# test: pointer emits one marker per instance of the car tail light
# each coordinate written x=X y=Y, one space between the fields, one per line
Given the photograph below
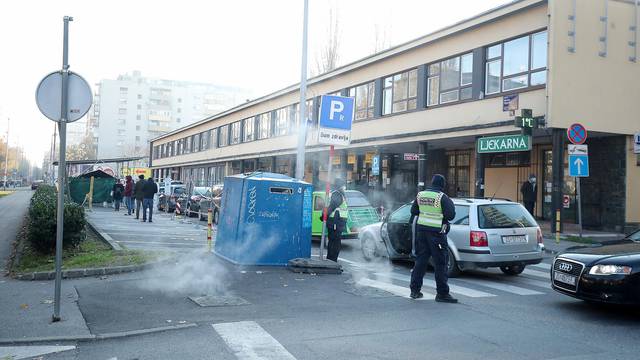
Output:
x=478 y=238
x=539 y=236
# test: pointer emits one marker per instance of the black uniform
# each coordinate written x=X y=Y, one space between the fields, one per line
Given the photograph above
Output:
x=529 y=192
x=432 y=243
x=335 y=226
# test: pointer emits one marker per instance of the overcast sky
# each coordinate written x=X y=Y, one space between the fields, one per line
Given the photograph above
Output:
x=253 y=44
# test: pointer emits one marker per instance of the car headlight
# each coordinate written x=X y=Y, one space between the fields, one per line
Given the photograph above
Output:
x=610 y=270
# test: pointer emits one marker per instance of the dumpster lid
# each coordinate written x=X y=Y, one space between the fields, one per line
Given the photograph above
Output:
x=262 y=175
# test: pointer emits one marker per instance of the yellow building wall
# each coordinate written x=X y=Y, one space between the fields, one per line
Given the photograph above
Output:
x=600 y=92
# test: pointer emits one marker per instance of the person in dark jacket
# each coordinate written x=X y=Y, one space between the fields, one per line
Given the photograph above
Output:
x=337 y=215
x=128 y=191
x=433 y=210
x=529 y=192
x=149 y=189
x=138 y=194
x=118 y=191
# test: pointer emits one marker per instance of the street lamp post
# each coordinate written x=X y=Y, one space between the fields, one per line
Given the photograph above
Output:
x=6 y=158
x=302 y=129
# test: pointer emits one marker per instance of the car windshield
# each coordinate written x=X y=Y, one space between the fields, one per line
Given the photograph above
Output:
x=356 y=198
x=497 y=216
x=634 y=236
x=201 y=190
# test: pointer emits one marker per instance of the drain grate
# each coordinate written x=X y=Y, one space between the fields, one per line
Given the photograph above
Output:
x=218 y=300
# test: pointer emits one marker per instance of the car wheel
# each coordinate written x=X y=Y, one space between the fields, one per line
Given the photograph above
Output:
x=368 y=247
x=512 y=270
x=453 y=270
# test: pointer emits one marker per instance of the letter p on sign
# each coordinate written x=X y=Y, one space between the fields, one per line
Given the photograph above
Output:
x=336 y=107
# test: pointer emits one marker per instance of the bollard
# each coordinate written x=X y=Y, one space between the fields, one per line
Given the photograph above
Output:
x=558 y=226
x=209 y=228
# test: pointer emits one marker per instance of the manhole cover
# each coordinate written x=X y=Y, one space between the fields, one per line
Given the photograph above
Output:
x=218 y=300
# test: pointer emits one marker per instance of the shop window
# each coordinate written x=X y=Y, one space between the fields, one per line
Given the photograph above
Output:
x=450 y=80
x=235 y=133
x=458 y=173
x=512 y=159
x=364 y=100
x=249 y=129
x=400 y=91
x=517 y=64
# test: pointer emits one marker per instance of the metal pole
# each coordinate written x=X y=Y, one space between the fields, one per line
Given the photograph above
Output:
x=302 y=129
x=53 y=152
x=579 y=205
x=327 y=200
x=6 y=158
x=61 y=167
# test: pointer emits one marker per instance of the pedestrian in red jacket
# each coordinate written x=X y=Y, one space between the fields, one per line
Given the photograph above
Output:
x=128 y=192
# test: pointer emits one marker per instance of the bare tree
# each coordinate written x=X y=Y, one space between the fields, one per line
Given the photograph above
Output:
x=327 y=58
x=380 y=38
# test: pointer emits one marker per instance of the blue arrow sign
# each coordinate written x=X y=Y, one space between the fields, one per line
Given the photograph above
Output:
x=579 y=165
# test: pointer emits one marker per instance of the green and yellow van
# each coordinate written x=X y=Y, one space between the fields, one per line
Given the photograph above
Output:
x=361 y=213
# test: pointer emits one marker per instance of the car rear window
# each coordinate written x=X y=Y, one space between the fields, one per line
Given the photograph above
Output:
x=356 y=199
x=499 y=216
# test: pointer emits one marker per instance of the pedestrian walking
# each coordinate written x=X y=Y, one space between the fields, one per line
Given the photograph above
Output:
x=117 y=190
x=529 y=192
x=433 y=210
x=149 y=190
x=336 y=221
x=138 y=194
x=128 y=192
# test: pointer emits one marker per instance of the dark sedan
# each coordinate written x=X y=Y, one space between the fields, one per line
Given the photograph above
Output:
x=607 y=273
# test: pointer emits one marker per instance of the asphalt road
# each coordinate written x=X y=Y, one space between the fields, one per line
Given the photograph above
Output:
x=13 y=208
x=362 y=314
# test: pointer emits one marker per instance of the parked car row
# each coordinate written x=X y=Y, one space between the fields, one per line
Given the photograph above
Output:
x=191 y=204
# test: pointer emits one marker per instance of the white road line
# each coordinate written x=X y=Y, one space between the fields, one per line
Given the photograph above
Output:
x=461 y=290
x=391 y=288
x=505 y=287
x=249 y=341
x=24 y=352
x=159 y=243
x=540 y=274
x=542 y=284
x=543 y=266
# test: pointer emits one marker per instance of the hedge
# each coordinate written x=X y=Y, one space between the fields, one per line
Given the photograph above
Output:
x=42 y=221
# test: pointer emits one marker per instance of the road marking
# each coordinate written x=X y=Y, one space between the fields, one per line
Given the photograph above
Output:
x=540 y=274
x=432 y=284
x=24 y=352
x=391 y=288
x=249 y=341
x=542 y=284
x=543 y=266
x=505 y=287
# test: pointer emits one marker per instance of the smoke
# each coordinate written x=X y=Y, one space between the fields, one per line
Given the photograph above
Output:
x=194 y=273
x=377 y=268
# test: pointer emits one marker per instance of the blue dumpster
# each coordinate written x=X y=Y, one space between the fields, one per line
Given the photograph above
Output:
x=265 y=219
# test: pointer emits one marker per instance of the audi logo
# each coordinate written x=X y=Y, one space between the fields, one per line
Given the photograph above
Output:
x=565 y=267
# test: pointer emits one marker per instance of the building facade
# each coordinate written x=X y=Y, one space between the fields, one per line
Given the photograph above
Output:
x=132 y=109
x=432 y=105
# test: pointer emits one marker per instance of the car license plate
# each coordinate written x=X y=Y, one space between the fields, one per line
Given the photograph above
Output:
x=514 y=239
x=564 y=278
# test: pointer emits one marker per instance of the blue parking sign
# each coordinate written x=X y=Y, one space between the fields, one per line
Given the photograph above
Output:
x=336 y=112
x=579 y=165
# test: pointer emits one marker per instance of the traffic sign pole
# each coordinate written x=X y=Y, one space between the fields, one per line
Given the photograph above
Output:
x=302 y=128
x=327 y=200
x=579 y=205
x=62 y=126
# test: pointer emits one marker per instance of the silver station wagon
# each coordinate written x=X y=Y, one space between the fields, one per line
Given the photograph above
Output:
x=485 y=233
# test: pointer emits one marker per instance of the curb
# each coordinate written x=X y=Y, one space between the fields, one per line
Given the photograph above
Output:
x=106 y=238
x=105 y=336
x=80 y=273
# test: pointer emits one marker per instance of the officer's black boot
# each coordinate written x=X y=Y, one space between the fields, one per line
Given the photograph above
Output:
x=416 y=295
x=447 y=298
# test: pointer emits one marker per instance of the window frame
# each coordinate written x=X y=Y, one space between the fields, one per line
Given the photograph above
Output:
x=268 y=118
x=528 y=73
x=458 y=89
x=279 y=130
x=245 y=133
x=371 y=93
x=222 y=144
x=407 y=99
x=234 y=127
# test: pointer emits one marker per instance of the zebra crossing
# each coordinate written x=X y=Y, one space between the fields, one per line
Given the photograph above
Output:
x=534 y=281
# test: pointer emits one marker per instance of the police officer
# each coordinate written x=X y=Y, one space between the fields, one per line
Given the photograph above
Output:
x=433 y=210
x=336 y=220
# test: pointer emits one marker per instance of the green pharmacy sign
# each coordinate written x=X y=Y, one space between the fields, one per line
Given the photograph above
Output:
x=506 y=143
